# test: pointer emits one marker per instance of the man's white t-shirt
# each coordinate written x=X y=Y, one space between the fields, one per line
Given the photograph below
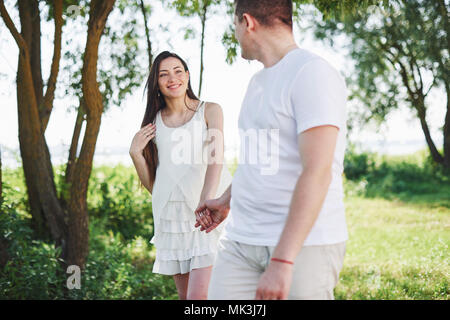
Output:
x=299 y=92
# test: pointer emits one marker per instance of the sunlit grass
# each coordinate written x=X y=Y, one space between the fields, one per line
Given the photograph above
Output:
x=395 y=251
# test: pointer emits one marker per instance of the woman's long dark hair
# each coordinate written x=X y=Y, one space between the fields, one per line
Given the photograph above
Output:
x=155 y=103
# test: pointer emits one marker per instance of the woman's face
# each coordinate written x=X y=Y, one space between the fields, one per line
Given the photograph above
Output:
x=172 y=78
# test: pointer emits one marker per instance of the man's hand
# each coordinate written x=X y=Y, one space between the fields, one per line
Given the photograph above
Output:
x=275 y=282
x=213 y=212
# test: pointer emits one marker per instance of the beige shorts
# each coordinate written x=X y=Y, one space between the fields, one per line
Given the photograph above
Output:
x=238 y=267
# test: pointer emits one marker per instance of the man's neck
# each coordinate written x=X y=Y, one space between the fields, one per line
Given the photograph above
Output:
x=274 y=47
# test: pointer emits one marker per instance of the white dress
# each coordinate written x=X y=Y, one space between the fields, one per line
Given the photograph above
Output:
x=182 y=157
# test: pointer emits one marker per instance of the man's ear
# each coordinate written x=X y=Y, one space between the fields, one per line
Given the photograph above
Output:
x=250 y=22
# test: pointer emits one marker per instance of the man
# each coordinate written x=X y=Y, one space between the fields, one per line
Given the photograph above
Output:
x=285 y=237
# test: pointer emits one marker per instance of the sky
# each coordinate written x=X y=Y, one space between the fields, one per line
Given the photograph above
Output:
x=224 y=84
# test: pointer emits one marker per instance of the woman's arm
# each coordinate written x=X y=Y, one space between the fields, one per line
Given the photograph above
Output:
x=214 y=121
x=140 y=141
x=142 y=170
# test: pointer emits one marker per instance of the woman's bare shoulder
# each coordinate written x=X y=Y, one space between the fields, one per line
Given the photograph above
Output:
x=213 y=112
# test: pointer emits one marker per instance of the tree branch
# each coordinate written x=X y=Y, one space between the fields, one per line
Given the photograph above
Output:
x=12 y=28
x=75 y=141
x=202 y=43
x=51 y=83
x=147 y=35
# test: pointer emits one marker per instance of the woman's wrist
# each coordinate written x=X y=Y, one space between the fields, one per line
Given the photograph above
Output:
x=136 y=153
x=205 y=197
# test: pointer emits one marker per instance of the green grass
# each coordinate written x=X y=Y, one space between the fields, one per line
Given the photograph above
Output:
x=399 y=233
x=396 y=250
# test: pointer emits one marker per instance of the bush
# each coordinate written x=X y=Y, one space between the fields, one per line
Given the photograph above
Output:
x=33 y=269
x=357 y=166
x=120 y=261
x=407 y=177
x=116 y=198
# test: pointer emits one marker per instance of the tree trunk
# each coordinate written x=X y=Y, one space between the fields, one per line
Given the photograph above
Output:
x=38 y=169
x=447 y=131
x=74 y=144
x=419 y=104
x=4 y=257
x=1 y=180
x=47 y=214
x=46 y=107
x=147 y=35
x=30 y=22
x=78 y=241
x=202 y=45
x=45 y=208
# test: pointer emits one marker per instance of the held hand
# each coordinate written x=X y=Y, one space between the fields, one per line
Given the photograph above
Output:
x=142 y=138
x=216 y=211
x=275 y=282
x=203 y=217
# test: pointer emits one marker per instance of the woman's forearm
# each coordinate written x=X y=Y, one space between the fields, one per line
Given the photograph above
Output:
x=212 y=180
x=226 y=196
x=142 y=170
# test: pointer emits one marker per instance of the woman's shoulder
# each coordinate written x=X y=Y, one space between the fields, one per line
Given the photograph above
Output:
x=213 y=112
x=212 y=108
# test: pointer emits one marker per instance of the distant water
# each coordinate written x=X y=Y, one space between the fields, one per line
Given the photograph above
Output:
x=119 y=155
x=395 y=147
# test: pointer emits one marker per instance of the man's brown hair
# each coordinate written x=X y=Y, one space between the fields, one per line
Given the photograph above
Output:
x=267 y=12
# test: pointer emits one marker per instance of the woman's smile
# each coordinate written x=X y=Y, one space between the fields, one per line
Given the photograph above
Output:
x=174 y=86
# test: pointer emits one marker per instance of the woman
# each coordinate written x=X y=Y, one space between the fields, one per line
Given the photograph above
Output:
x=175 y=114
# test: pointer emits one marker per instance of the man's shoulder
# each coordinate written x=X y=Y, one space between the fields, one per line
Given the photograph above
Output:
x=306 y=60
x=312 y=67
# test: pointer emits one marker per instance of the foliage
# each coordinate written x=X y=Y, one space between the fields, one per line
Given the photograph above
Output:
x=329 y=9
x=410 y=35
x=339 y=8
x=117 y=267
x=401 y=53
x=119 y=203
x=120 y=56
x=201 y=9
x=33 y=269
x=409 y=178
x=388 y=254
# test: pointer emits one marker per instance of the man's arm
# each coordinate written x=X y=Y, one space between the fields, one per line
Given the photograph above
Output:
x=316 y=147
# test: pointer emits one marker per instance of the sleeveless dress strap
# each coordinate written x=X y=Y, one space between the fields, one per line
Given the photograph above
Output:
x=202 y=111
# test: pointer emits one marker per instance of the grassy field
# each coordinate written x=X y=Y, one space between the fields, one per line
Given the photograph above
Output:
x=398 y=215
x=396 y=250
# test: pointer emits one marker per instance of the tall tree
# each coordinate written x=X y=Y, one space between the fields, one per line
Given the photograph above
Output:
x=120 y=49
x=401 y=53
x=78 y=236
x=201 y=9
x=144 y=11
x=65 y=216
x=33 y=115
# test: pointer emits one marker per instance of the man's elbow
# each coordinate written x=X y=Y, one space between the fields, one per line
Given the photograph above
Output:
x=320 y=173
